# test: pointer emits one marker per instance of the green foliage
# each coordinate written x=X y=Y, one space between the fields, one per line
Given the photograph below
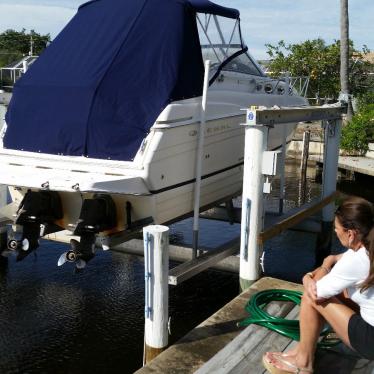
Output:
x=365 y=99
x=15 y=44
x=357 y=134
x=321 y=63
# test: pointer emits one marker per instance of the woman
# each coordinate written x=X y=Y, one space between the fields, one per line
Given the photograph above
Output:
x=340 y=292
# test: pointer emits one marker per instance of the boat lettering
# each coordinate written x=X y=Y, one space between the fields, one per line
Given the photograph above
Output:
x=215 y=129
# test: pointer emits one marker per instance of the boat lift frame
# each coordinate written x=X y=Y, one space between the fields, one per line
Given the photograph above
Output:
x=255 y=168
x=258 y=163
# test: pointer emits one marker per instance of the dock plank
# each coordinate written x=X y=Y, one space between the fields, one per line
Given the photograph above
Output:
x=218 y=346
x=201 y=344
x=244 y=353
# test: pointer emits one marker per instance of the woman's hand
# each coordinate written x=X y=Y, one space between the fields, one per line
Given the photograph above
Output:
x=310 y=280
x=310 y=287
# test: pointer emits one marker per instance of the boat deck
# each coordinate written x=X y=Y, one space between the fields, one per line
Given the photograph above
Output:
x=70 y=173
x=218 y=346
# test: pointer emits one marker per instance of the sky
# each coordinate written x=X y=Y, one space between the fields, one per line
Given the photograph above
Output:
x=263 y=21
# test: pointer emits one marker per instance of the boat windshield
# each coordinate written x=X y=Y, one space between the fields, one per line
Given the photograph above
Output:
x=222 y=44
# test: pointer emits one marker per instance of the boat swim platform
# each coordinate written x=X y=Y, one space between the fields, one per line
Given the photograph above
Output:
x=357 y=164
x=218 y=345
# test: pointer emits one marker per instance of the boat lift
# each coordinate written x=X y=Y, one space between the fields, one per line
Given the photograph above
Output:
x=258 y=164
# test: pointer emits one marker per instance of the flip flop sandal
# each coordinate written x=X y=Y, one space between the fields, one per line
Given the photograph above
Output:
x=269 y=366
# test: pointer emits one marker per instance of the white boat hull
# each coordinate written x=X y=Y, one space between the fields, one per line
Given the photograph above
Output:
x=159 y=182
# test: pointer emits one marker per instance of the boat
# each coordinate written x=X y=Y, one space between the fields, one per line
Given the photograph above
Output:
x=101 y=133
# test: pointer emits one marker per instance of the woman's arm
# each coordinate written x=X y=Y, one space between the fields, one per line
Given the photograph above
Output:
x=331 y=260
x=349 y=270
x=310 y=279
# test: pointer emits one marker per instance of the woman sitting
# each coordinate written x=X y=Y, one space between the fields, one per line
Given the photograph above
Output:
x=340 y=292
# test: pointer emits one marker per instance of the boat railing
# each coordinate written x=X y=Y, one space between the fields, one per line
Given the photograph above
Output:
x=300 y=84
x=11 y=73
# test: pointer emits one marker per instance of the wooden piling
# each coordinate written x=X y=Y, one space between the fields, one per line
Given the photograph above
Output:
x=303 y=166
x=156 y=269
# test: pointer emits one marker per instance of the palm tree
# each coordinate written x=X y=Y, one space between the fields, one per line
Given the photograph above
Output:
x=344 y=56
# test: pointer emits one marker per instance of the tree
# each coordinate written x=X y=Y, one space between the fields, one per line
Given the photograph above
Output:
x=321 y=62
x=344 y=56
x=15 y=44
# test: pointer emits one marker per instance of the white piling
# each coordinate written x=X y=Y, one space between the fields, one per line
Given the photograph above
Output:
x=329 y=177
x=252 y=201
x=330 y=169
x=156 y=269
x=199 y=161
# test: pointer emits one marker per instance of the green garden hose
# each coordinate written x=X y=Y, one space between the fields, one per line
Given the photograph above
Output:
x=286 y=327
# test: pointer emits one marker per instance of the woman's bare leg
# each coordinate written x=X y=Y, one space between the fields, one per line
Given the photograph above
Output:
x=312 y=318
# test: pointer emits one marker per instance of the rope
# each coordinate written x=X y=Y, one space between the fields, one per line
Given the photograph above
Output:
x=286 y=327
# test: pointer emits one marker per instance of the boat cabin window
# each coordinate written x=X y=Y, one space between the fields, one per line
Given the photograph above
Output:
x=222 y=44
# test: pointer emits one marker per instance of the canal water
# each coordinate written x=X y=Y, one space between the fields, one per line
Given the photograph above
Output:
x=53 y=320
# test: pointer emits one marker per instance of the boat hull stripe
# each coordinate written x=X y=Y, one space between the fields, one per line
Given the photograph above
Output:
x=194 y=179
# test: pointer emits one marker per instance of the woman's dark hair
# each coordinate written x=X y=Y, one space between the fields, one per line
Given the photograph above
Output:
x=356 y=213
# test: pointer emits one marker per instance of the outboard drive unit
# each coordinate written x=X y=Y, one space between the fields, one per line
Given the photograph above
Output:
x=98 y=214
x=36 y=217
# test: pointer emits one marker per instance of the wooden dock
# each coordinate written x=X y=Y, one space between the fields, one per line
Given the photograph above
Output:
x=218 y=346
x=363 y=165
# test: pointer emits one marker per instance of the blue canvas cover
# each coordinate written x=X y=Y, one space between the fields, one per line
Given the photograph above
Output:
x=99 y=87
x=205 y=6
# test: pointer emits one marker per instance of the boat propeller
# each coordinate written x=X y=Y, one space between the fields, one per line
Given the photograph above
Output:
x=79 y=254
x=97 y=215
x=22 y=241
x=35 y=217
x=16 y=244
x=23 y=245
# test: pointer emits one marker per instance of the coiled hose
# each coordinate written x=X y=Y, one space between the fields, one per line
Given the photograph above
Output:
x=286 y=327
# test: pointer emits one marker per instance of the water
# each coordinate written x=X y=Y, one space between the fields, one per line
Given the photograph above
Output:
x=53 y=320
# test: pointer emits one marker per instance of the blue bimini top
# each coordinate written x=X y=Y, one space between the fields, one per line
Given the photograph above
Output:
x=100 y=86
